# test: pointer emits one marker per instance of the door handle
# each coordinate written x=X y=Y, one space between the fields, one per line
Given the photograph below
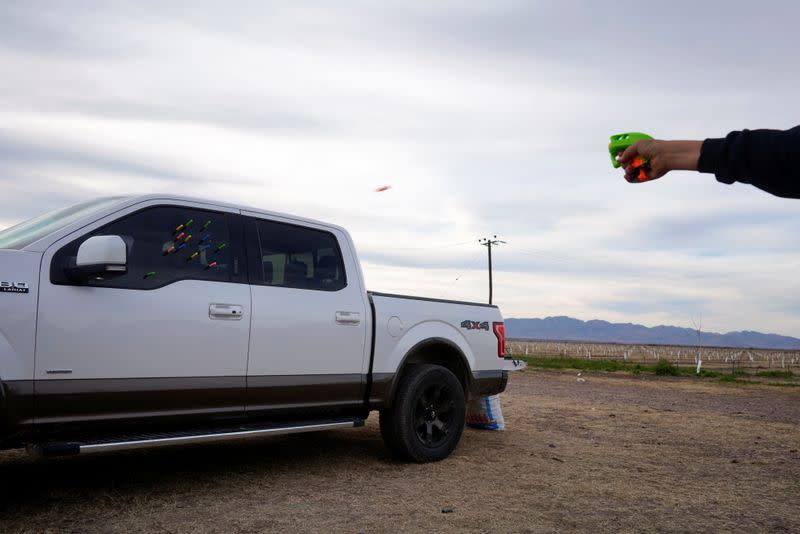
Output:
x=226 y=312
x=348 y=318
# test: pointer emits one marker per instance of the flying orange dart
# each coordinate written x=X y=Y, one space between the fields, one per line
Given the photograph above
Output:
x=383 y=188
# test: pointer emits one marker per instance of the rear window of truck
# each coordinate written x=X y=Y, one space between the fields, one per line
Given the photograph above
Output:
x=299 y=257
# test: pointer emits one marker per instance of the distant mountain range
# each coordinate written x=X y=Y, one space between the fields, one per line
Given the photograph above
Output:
x=569 y=329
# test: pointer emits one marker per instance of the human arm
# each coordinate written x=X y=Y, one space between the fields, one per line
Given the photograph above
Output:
x=767 y=159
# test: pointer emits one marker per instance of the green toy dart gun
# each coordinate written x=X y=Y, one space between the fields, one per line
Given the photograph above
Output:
x=617 y=146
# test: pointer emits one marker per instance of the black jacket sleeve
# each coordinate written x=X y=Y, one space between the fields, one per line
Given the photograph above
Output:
x=767 y=159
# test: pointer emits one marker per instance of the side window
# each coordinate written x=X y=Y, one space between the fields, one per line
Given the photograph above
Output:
x=299 y=257
x=165 y=244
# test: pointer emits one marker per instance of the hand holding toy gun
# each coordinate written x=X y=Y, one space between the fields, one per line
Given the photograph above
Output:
x=645 y=158
x=639 y=168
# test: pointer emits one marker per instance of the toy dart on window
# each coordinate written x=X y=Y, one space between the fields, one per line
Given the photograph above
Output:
x=621 y=142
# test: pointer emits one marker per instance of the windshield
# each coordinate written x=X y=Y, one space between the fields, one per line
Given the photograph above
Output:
x=25 y=233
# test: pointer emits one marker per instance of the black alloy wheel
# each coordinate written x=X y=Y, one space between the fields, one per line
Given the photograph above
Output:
x=426 y=420
x=433 y=416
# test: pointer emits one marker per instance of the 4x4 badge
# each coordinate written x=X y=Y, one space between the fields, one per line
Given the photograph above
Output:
x=475 y=325
x=14 y=287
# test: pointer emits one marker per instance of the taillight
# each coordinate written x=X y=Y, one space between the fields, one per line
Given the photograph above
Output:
x=500 y=333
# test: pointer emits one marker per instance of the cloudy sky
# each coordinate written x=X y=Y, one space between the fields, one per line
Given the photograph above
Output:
x=484 y=117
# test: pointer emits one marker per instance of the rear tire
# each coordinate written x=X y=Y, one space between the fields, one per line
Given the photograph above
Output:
x=426 y=420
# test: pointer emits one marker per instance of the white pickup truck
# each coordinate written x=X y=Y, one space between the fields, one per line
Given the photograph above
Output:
x=131 y=322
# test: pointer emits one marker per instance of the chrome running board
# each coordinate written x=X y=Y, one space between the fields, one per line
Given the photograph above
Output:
x=165 y=440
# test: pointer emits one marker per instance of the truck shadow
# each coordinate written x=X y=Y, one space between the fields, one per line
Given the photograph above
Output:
x=33 y=484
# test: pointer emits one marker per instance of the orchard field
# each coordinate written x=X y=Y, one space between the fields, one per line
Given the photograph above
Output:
x=718 y=358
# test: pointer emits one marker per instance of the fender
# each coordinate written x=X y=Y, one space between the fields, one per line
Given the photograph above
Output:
x=467 y=375
x=420 y=333
x=391 y=355
x=384 y=386
x=19 y=295
x=16 y=408
x=3 y=409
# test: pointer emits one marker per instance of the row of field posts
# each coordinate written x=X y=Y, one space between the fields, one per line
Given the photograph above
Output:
x=711 y=357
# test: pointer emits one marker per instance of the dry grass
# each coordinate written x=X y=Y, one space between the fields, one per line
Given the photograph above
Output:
x=614 y=453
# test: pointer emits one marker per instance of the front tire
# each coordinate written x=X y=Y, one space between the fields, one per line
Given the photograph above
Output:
x=426 y=420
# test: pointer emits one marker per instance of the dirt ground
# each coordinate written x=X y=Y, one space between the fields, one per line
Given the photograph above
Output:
x=615 y=453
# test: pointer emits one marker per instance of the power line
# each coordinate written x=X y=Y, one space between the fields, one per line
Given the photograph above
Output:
x=594 y=259
x=450 y=245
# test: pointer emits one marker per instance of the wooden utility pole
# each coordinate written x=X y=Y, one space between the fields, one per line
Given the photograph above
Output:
x=488 y=243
